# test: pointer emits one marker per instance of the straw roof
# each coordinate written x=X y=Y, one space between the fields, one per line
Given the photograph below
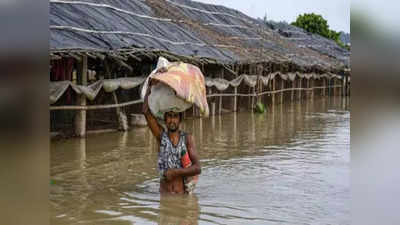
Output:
x=182 y=28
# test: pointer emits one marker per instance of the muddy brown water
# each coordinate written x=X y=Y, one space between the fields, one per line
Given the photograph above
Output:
x=287 y=166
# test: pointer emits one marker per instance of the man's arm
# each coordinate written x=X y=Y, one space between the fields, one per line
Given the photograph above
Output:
x=192 y=170
x=155 y=128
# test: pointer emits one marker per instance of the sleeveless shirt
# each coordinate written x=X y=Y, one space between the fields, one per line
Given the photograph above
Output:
x=169 y=156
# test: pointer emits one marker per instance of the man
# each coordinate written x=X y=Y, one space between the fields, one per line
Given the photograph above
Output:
x=173 y=143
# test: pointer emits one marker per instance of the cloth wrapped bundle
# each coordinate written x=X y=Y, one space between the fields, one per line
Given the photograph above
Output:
x=179 y=87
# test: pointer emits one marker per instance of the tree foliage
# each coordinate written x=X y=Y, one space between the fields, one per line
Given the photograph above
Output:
x=315 y=23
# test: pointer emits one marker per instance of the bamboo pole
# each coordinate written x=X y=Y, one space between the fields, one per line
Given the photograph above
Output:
x=94 y=107
x=80 y=116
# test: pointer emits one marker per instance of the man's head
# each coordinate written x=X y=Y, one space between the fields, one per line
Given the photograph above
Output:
x=172 y=120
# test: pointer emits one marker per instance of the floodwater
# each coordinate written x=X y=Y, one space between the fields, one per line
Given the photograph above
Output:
x=287 y=166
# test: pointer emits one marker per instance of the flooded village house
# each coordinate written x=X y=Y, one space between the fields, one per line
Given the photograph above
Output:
x=101 y=53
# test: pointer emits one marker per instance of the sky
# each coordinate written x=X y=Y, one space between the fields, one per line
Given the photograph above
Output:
x=336 y=12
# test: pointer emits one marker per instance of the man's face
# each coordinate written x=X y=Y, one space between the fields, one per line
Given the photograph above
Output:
x=172 y=121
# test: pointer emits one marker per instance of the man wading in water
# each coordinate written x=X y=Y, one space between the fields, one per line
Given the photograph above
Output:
x=174 y=144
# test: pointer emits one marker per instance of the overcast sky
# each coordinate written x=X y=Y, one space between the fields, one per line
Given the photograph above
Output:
x=336 y=12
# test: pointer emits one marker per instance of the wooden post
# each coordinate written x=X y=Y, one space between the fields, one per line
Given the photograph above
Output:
x=312 y=86
x=122 y=119
x=249 y=99
x=293 y=87
x=80 y=116
x=235 y=100
x=220 y=97
x=300 y=87
x=259 y=88
x=213 y=108
x=234 y=133
x=273 y=89
x=328 y=90
x=82 y=153
x=308 y=88
x=328 y=87
x=282 y=87
x=212 y=102
x=253 y=98
x=334 y=88
x=201 y=130
x=220 y=104
x=343 y=86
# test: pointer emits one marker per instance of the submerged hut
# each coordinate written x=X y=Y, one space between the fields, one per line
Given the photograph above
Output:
x=101 y=51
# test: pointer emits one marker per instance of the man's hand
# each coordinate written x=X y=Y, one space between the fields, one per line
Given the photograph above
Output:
x=162 y=70
x=170 y=174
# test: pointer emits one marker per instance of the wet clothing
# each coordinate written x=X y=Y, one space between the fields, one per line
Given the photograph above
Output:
x=175 y=157
x=169 y=156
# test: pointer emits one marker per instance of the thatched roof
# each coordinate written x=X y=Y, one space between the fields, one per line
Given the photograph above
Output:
x=182 y=28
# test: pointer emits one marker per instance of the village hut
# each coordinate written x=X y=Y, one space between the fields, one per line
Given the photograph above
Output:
x=101 y=52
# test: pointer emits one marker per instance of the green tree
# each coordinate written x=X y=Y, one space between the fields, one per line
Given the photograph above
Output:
x=313 y=23
x=316 y=24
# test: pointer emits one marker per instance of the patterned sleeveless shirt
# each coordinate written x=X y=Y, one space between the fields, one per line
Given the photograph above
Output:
x=169 y=156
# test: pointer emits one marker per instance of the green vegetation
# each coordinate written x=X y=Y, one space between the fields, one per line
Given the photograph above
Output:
x=260 y=108
x=316 y=24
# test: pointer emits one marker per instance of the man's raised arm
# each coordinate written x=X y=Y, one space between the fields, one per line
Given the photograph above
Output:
x=155 y=128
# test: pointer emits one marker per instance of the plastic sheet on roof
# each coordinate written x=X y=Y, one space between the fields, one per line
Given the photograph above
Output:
x=220 y=33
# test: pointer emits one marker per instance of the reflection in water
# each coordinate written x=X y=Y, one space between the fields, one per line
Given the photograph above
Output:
x=287 y=166
x=182 y=210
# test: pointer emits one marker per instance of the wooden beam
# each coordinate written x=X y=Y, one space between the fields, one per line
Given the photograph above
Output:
x=135 y=57
x=122 y=63
x=75 y=56
x=99 y=55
